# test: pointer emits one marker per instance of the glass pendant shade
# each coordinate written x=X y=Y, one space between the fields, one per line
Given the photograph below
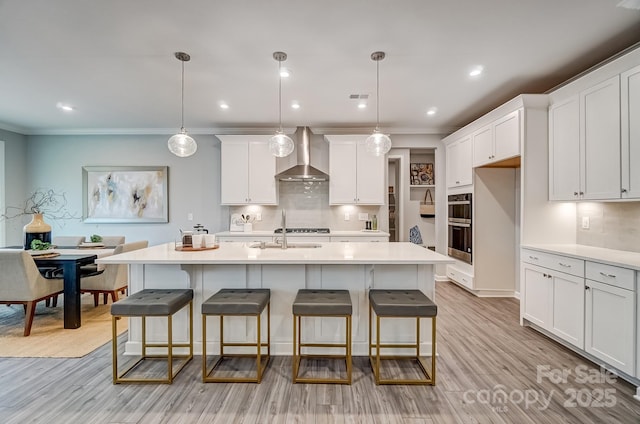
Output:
x=281 y=145
x=182 y=145
x=378 y=144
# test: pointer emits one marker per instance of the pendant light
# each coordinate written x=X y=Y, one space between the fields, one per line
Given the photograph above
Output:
x=181 y=144
x=377 y=143
x=280 y=145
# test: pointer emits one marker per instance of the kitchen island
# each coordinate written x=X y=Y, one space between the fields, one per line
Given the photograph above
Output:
x=354 y=266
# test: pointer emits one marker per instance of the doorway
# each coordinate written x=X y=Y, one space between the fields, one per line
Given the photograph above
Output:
x=394 y=203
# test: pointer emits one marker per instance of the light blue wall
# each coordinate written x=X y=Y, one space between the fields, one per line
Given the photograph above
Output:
x=16 y=180
x=194 y=183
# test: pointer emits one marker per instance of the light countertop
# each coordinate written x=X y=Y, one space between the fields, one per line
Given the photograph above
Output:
x=621 y=258
x=328 y=253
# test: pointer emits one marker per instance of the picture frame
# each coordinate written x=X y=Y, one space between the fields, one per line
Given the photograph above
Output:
x=125 y=194
x=422 y=174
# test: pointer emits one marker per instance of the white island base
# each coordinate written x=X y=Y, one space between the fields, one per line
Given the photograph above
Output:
x=274 y=269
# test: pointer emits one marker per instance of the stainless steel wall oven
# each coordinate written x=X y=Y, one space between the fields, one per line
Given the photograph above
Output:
x=460 y=227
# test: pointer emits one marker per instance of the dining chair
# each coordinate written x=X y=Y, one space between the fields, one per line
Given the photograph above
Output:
x=113 y=279
x=22 y=283
x=67 y=241
x=110 y=241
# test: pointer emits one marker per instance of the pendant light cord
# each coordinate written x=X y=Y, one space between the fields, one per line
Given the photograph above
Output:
x=182 y=102
x=280 y=94
x=377 y=95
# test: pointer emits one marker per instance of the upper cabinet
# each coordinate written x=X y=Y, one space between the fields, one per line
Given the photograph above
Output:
x=247 y=171
x=355 y=175
x=497 y=141
x=630 y=90
x=459 y=163
x=594 y=141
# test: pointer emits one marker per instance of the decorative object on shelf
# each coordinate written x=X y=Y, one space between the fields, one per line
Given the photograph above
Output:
x=422 y=174
x=125 y=194
x=181 y=144
x=280 y=145
x=414 y=235
x=377 y=143
x=427 y=206
x=95 y=238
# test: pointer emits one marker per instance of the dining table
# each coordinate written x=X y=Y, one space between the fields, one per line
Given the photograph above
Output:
x=71 y=260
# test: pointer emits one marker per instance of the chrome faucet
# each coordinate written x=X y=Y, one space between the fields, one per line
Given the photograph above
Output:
x=284 y=229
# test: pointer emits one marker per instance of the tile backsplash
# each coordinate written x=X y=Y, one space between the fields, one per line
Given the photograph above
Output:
x=611 y=225
x=307 y=205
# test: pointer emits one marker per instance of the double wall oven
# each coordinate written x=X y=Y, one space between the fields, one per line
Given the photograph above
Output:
x=460 y=234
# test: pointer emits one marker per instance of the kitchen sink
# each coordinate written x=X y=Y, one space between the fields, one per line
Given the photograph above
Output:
x=290 y=245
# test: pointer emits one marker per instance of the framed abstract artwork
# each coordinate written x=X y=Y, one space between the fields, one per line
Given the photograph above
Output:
x=125 y=194
x=422 y=174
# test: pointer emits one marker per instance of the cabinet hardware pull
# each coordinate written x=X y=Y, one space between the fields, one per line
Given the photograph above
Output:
x=607 y=275
x=624 y=190
x=575 y=193
x=582 y=193
x=564 y=265
x=587 y=287
x=533 y=257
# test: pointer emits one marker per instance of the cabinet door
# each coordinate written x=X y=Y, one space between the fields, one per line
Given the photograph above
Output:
x=568 y=308
x=342 y=172
x=564 y=150
x=234 y=172
x=610 y=318
x=506 y=136
x=630 y=103
x=600 y=142
x=459 y=163
x=538 y=298
x=483 y=146
x=370 y=186
x=261 y=174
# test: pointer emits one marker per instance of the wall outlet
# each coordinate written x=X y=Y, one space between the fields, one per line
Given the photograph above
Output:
x=585 y=222
x=363 y=216
x=190 y=216
x=346 y=216
x=258 y=217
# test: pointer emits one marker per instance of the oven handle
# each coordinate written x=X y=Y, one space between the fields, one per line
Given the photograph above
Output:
x=459 y=224
x=460 y=202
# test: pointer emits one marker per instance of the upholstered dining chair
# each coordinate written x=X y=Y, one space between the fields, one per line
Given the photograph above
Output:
x=110 y=241
x=113 y=279
x=67 y=241
x=22 y=283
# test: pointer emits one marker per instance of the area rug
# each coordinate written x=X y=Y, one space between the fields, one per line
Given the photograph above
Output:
x=49 y=338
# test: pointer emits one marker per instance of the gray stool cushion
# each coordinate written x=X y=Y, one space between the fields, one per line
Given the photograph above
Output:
x=237 y=302
x=153 y=302
x=406 y=303
x=322 y=302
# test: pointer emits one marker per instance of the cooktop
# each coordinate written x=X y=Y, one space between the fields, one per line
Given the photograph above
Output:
x=304 y=230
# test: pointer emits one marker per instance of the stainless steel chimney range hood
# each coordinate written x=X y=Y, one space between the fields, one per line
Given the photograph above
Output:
x=302 y=170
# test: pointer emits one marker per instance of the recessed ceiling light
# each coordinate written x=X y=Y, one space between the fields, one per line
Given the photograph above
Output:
x=295 y=105
x=224 y=106
x=65 y=107
x=362 y=105
x=285 y=72
x=432 y=111
x=476 y=70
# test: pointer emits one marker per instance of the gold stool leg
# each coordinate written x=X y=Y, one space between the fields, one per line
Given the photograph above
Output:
x=114 y=343
x=258 y=350
x=204 y=347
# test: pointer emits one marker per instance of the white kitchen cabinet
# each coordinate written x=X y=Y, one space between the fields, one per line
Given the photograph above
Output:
x=610 y=325
x=630 y=103
x=355 y=175
x=459 y=163
x=247 y=171
x=498 y=141
x=554 y=299
x=584 y=153
x=564 y=150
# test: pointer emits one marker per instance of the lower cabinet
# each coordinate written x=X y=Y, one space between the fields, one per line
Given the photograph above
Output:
x=554 y=301
x=610 y=327
x=592 y=305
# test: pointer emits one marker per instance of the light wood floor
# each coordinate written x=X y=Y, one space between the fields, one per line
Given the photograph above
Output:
x=482 y=352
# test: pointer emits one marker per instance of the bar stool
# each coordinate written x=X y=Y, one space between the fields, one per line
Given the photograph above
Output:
x=321 y=303
x=153 y=303
x=237 y=302
x=402 y=304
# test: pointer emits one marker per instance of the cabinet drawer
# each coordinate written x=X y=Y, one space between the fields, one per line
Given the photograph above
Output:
x=460 y=277
x=612 y=275
x=560 y=263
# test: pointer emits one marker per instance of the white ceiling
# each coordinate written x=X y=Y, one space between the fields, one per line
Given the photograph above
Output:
x=114 y=60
